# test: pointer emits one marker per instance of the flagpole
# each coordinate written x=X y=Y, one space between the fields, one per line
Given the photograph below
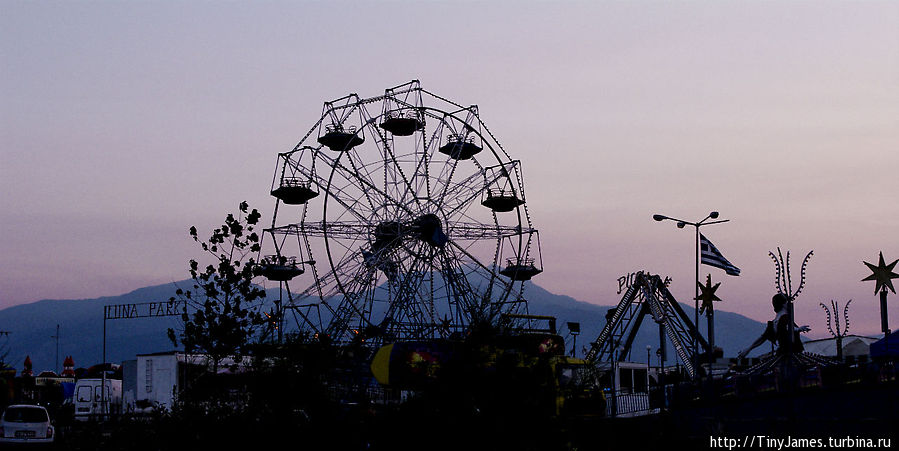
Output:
x=696 y=299
x=681 y=224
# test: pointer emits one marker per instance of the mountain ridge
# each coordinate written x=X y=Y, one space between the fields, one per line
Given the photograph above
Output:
x=32 y=327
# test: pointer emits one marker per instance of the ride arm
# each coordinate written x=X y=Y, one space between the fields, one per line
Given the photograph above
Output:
x=691 y=328
x=758 y=342
x=644 y=310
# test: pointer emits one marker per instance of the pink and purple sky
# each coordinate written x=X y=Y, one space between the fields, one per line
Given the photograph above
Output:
x=124 y=123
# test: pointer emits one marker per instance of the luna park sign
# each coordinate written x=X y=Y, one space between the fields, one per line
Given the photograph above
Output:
x=144 y=309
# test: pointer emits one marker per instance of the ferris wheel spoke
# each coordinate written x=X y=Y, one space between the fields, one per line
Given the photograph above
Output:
x=303 y=311
x=349 y=240
x=466 y=192
x=351 y=188
x=355 y=289
x=456 y=210
x=457 y=195
x=467 y=231
x=421 y=270
x=469 y=287
x=462 y=138
x=324 y=286
x=350 y=202
x=359 y=177
x=404 y=192
x=379 y=198
x=407 y=307
x=426 y=156
x=487 y=273
x=396 y=185
x=446 y=181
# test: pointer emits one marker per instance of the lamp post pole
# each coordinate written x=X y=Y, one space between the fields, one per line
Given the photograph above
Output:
x=615 y=355
x=648 y=368
x=681 y=224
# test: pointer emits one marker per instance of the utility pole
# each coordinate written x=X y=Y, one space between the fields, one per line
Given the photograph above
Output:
x=56 y=362
x=3 y=349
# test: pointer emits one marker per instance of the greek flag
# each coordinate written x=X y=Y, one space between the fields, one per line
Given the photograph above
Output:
x=710 y=255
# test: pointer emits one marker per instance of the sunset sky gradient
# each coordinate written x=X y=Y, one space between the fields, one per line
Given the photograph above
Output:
x=124 y=123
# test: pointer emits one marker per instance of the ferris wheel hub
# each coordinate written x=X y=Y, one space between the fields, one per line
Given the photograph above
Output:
x=426 y=228
x=429 y=229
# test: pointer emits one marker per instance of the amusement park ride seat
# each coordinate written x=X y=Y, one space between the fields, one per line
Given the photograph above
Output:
x=294 y=191
x=501 y=201
x=520 y=270
x=336 y=138
x=280 y=268
x=402 y=124
x=459 y=148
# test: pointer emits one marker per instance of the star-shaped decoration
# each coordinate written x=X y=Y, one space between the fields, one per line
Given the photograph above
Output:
x=707 y=295
x=882 y=275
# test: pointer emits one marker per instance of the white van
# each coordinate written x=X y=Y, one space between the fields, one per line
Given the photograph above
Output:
x=89 y=400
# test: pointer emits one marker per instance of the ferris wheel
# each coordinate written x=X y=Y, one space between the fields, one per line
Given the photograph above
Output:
x=399 y=217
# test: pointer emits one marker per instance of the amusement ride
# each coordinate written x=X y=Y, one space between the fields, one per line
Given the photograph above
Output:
x=399 y=217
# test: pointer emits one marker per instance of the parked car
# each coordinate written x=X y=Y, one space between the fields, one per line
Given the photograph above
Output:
x=22 y=423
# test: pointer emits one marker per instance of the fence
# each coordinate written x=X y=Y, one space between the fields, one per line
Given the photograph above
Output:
x=628 y=403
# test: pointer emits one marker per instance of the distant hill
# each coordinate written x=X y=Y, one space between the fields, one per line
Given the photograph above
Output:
x=33 y=326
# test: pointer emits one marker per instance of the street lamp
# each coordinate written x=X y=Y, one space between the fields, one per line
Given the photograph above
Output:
x=575 y=330
x=681 y=224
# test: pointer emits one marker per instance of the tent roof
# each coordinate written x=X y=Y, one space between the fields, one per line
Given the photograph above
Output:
x=887 y=346
x=852 y=345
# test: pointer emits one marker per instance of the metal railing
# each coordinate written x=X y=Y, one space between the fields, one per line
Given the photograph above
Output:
x=626 y=402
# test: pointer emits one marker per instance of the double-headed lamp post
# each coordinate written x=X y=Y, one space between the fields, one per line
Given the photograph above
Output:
x=713 y=216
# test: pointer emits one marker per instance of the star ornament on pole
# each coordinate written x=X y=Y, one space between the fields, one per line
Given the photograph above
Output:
x=882 y=275
x=707 y=295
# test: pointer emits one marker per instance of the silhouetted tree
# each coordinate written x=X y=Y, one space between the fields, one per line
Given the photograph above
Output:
x=227 y=302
